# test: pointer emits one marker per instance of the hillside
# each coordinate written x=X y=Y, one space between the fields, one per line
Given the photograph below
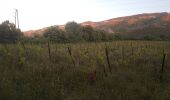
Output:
x=148 y=23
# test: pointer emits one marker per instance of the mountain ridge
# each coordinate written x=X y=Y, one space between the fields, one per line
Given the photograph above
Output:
x=123 y=25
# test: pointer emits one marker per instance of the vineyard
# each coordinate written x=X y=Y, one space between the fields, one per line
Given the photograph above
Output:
x=118 y=70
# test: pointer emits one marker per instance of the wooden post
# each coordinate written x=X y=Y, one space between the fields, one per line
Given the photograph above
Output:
x=162 y=68
x=70 y=53
x=49 y=51
x=107 y=58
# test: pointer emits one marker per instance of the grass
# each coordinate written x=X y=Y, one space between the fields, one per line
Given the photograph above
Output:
x=125 y=70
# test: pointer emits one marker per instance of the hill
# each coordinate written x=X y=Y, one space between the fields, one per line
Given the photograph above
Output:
x=136 y=25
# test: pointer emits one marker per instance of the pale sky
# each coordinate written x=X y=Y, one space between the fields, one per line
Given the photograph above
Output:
x=35 y=14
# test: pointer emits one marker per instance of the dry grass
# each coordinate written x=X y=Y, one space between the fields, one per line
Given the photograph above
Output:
x=27 y=73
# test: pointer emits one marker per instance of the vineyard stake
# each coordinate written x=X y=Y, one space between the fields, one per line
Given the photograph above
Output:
x=49 y=51
x=162 y=68
x=107 y=58
x=70 y=53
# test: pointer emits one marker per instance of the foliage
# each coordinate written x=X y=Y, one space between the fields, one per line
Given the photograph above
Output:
x=76 y=33
x=73 y=31
x=87 y=33
x=55 y=34
x=27 y=72
x=9 y=33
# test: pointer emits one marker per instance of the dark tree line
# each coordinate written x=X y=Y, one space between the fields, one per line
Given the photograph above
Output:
x=76 y=33
x=73 y=32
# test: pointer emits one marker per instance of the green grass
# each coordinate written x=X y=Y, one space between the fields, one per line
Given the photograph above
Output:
x=27 y=72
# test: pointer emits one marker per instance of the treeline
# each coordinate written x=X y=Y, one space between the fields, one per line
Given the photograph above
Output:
x=72 y=33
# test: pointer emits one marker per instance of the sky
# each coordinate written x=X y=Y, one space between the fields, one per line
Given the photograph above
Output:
x=36 y=14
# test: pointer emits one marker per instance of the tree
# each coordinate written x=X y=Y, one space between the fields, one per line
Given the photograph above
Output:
x=9 y=33
x=55 y=34
x=87 y=33
x=73 y=31
x=103 y=35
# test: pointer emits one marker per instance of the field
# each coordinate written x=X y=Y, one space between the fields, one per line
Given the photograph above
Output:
x=118 y=70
